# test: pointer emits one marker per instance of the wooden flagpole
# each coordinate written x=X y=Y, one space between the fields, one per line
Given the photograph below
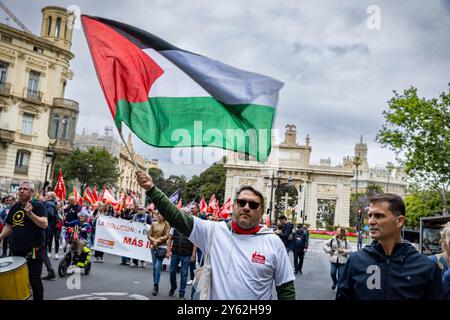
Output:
x=128 y=150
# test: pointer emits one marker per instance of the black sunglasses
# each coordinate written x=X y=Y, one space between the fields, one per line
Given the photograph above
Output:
x=252 y=204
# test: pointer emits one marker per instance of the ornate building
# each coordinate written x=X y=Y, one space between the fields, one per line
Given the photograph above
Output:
x=323 y=191
x=36 y=122
x=107 y=141
x=391 y=178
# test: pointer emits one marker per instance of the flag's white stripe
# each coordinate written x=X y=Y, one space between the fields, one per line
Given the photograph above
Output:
x=173 y=82
x=225 y=83
x=229 y=85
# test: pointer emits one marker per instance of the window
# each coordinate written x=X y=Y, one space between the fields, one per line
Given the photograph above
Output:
x=27 y=123
x=33 y=83
x=63 y=88
x=65 y=128
x=22 y=158
x=58 y=27
x=49 y=26
x=54 y=127
x=6 y=38
x=3 y=72
x=38 y=50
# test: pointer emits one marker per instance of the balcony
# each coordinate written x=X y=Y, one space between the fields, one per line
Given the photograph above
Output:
x=66 y=103
x=21 y=170
x=32 y=95
x=63 y=146
x=5 y=88
x=7 y=136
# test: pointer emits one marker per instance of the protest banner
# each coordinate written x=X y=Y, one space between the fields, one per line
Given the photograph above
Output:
x=123 y=238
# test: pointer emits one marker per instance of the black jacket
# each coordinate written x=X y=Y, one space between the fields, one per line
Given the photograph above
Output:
x=52 y=214
x=180 y=244
x=286 y=234
x=371 y=275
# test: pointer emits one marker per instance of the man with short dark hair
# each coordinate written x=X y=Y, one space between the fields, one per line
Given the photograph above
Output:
x=246 y=258
x=26 y=223
x=389 y=268
x=286 y=234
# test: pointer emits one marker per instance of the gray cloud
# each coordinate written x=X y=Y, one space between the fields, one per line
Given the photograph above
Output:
x=338 y=74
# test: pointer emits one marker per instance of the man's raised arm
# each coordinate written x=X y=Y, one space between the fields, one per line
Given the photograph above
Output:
x=184 y=223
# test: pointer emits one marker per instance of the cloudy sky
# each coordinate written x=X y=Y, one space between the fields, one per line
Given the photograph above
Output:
x=339 y=62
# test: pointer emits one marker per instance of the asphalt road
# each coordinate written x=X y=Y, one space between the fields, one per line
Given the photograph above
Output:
x=112 y=281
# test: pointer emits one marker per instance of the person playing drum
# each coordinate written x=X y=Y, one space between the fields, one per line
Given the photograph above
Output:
x=26 y=223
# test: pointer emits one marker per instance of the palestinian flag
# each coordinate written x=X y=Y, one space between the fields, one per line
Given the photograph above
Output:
x=170 y=97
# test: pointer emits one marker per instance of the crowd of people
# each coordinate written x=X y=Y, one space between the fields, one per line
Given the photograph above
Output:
x=246 y=257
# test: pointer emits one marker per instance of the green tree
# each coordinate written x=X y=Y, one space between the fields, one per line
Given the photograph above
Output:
x=418 y=131
x=211 y=181
x=421 y=204
x=88 y=168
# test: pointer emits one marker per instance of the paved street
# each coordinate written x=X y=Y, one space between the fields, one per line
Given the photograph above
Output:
x=113 y=281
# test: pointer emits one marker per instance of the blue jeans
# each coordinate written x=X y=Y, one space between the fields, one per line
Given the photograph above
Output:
x=336 y=268
x=174 y=261
x=157 y=263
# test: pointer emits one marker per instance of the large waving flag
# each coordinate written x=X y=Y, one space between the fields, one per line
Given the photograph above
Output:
x=164 y=94
x=95 y=194
x=60 y=188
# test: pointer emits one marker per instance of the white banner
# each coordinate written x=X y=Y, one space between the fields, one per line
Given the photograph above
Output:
x=123 y=238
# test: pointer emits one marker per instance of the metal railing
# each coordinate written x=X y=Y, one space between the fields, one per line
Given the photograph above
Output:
x=32 y=95
x=5 y=88
x=7 y=135
x=21 y=169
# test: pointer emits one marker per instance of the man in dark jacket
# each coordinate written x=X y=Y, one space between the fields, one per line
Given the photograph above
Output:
x=286 y=232
x=72 y=211
x=389 y=268
x=299 y=246
x=180 y=250
x=52 y=216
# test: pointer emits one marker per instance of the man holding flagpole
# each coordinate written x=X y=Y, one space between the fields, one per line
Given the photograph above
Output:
x=246 y=258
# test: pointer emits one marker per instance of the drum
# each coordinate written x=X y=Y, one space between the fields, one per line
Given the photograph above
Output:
x=14 y=281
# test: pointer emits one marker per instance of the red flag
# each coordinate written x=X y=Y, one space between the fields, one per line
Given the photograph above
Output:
x=88 y=197
x=268 y=221
x=108 y=197
x=226 y=208
x=212 y=204
x=128 y=202
x=121 y=203
x=203 y=205
x=77 y=196
x=179 y=204
x=95 y=194
x=60 y=188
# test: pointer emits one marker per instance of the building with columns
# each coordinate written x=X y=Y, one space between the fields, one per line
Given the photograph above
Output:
x=391 y=178
x=322 y=190
x=37 y=123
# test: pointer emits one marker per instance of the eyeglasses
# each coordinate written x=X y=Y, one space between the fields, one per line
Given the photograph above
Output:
x=252 y=204
x=23 y=188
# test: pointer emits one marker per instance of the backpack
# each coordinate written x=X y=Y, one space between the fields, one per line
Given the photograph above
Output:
x=442 y=261
x=331 y=244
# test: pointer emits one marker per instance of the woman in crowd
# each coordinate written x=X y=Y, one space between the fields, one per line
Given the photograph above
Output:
x=158 y=236
x=443 y=260
x=339 y=249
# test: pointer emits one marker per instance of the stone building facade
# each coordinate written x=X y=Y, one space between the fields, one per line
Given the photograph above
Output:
x=37 y=123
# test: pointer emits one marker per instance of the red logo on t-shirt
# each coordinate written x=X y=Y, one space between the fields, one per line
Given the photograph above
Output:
x=258 y=258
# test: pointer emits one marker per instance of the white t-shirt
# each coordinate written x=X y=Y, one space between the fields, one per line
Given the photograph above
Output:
x=244 y=267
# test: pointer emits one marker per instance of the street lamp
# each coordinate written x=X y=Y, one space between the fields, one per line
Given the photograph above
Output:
x=48 y=161
x=272 y=186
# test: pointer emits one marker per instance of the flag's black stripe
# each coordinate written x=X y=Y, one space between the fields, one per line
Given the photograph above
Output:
x=140 y=38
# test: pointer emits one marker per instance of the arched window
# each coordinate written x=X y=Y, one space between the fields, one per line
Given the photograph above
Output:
x=58 y=27
x=49 y=26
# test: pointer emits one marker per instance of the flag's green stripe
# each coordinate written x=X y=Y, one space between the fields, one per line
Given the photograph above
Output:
x=157 y=121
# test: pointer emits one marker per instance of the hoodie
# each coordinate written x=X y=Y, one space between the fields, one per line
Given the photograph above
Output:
x=405 y=275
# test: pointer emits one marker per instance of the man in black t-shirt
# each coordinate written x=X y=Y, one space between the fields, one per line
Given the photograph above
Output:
x=26 y=223
x=72 y=211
